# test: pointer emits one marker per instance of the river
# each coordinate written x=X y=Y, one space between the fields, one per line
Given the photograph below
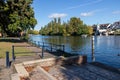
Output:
x=106 y=48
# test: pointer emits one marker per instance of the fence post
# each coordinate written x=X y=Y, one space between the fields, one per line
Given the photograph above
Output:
x=7 y=59
x=43 y=50
x=13 y=54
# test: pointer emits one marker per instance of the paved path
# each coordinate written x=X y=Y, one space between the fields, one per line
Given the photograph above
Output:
x=5 y=73
x=76 y=72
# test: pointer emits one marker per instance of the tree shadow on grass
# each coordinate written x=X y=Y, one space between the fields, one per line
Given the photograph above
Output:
x=13 y=40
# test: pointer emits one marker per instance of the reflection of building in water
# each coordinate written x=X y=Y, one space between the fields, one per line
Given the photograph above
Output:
x=117 y=42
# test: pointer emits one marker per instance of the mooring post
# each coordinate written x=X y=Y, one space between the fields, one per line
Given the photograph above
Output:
x=93 y=57
x=7 y=60
x=13 y=54
x=43 y=50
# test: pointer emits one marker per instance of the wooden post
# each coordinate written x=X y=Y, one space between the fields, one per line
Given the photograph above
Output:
x=7 y=59
x=93 y=57
x=13 y=54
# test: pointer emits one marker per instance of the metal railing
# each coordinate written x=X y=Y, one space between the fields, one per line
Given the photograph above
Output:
x=44 y=46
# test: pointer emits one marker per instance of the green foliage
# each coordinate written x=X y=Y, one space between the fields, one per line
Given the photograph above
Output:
x=25 y=37
x=16 y=15
x=73 y=27
x=33 y=32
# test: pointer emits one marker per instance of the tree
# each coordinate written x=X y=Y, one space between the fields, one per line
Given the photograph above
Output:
x=17 y=16
x=4 y=18
x=74 y=26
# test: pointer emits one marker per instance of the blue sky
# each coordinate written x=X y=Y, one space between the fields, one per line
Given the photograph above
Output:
x=90 y=11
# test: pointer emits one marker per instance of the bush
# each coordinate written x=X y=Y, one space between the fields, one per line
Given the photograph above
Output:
x=25 y=37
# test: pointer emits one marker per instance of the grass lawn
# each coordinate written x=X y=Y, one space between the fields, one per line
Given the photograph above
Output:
x=19 y=51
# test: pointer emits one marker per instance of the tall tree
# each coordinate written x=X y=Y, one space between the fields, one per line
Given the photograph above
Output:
x=21 y=15
x=4 y=16
x=75 y=24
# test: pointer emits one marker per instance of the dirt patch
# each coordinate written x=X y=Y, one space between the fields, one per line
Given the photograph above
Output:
x=29 y=68
x=46 y=68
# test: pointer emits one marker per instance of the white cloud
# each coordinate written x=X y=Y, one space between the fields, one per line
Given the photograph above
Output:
x=85 y=4
x=91 y=13
x=86 y=14
x=116 y=12
x=57 y=15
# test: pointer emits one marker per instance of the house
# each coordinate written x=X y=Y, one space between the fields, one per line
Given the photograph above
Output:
x=103 y=28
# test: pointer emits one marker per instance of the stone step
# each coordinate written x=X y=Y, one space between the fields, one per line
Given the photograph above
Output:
x=40 y=74
x=15 y=76
x=21 y=70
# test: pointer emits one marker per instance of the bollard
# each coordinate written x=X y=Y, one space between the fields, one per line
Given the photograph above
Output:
x=7 y=59
x=13 y=54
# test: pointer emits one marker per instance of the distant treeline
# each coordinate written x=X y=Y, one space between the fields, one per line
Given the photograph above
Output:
x=74 y=26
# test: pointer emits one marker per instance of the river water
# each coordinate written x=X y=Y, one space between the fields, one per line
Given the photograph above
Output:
x=106 y=48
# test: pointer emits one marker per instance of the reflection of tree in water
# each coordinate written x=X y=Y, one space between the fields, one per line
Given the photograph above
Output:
x=75 y=43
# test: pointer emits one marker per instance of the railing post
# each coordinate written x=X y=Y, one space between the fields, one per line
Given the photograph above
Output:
x=35 y=43
x=7 y=59
x=63 y=48
x=38 y=44
x=13 y=54
x=51 y=47
x=32 y=43
x=43 y=50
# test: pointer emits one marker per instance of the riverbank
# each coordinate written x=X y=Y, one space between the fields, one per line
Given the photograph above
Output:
x=5 y=73
x=106 y=48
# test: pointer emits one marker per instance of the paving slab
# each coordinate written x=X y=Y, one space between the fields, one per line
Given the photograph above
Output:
x=82 y=72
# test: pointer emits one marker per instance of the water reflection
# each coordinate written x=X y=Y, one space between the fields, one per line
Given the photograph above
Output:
x=105 y=51
x=72 y=44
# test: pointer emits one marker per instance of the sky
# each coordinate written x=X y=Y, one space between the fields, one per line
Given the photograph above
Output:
x=89 y=11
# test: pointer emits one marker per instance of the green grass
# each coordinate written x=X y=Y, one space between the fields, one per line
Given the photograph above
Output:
x=19 y=51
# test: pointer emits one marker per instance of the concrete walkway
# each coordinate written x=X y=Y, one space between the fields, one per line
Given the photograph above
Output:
x=5 y=73
x=75 y=72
